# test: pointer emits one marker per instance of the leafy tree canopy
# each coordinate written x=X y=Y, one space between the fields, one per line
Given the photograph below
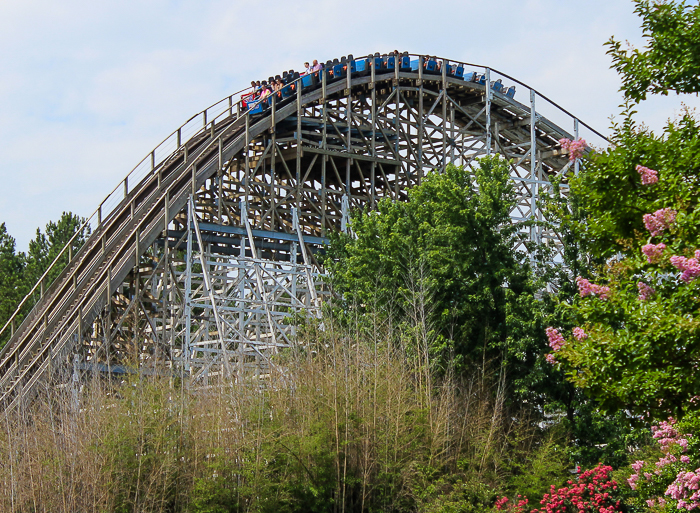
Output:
x=640 y=344
x=11 y=283
x=46 y=246
x=635 y=342
x=453 y=242
x=671 y=61
x=20 y=271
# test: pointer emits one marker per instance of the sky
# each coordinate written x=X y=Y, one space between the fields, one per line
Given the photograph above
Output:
x=88 y=88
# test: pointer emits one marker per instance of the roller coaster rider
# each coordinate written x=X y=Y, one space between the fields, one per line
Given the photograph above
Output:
x=259 y=98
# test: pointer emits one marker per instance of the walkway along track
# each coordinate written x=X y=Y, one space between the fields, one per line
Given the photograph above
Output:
x=82 y=292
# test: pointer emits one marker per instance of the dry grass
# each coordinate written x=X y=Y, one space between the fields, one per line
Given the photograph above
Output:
x=357 y=423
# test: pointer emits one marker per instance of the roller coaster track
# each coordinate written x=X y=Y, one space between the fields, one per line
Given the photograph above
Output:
x=262 y=186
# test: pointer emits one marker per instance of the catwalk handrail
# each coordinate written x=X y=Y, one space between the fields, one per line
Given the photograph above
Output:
x=207 y=124
x=98 y=210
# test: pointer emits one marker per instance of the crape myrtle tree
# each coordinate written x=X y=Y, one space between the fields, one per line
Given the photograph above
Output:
x=632 y=337
x=636 y=342
x=453 y=241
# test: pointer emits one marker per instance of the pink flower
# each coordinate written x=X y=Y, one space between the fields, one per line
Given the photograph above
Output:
x=586 y=288
x=689 y=267
x=685 y=459
x=579 y=334
x=632 y=481
x=685 y=490
x=653 y=252
x=550 y=359
x=645 y=291
x=575 y=148
x=556 y=341
x=659 y=221
x=649 y=176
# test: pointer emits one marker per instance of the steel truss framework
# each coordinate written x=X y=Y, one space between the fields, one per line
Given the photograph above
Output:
x=204 y=260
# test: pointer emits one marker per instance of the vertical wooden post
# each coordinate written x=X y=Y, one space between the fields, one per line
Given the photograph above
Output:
x=421 y=119
x=488 y=111
x=193 y=178
x=576 y=136
x=273 y=162
x=297 y=187
x=247 y=158
x=443 y=69
x=166 y=214
x=533 y=165
x=220 y=183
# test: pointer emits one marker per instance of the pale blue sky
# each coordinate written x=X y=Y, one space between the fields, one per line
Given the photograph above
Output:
x=87 y=88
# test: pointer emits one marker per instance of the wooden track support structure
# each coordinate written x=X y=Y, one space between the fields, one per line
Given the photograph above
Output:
x=205 y=256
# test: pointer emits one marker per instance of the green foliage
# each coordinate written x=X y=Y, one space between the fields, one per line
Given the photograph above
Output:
x=452 y=249
x=613 y=215
x=640 y=355
x=454 y=494
x=19 y=272
x=46 y=246
x=548 y=464
x=11 y=268
x=671 y=61
x=146 y=445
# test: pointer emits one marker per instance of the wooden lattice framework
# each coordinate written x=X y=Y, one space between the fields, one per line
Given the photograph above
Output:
x=201 y=260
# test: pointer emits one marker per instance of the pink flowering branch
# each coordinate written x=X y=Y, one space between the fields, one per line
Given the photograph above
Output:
x=689 y=267
x=645 y=291
x=653 y=252
x=574 y=148
x=649 y=176
x=660 y=221
x=685 y=489
x=556 y=341
x=586 y=288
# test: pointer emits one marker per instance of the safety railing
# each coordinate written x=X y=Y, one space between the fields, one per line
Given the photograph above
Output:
x=193 y=127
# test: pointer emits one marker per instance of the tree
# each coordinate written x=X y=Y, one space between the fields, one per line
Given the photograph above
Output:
x=671 y=63
x=633 y=341
x=452 y=240
x=11 y=268
x=639 y=343
x=19 y=272
x=45 y=247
